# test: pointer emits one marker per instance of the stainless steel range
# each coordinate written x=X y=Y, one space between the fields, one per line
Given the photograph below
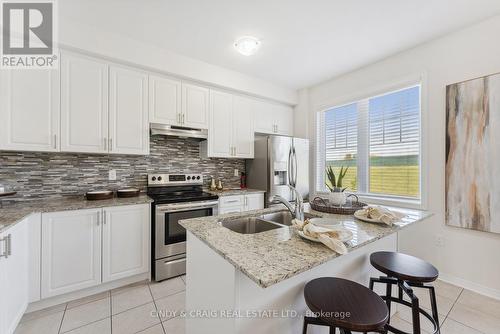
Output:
x=176 y=197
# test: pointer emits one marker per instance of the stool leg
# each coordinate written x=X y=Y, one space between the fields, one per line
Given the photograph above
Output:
x=388 y=293
x=415 y=307
x=332 y=330
x=372 y=281
x=304 y=330
x=434 y=307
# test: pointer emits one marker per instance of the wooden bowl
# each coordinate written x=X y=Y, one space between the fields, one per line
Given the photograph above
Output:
x=99 y=195
x=128 y=192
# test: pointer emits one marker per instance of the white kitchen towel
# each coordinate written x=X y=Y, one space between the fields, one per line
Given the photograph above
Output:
x=331 y=238
x=381 y=214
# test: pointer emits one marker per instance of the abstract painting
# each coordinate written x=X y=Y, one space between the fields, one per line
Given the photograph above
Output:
x=473 y=154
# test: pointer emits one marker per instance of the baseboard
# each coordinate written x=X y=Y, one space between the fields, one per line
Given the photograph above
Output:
x=481 y=289
x=67 y=297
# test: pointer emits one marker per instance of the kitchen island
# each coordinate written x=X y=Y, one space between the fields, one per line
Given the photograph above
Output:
x=253 y=283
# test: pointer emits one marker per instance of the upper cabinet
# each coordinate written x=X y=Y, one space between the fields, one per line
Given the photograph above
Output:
x=231 y=133
x=195 y=106
x=128 y=111
x=173 y=102
x=104 y=109
x=29 y=110
x=272 y=118
x=84 y=104
x=164 y=100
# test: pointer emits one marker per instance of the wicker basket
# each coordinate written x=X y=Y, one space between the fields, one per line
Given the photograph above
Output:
x=322 y=205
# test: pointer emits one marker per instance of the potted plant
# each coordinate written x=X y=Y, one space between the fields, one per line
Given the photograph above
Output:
x=337 y=195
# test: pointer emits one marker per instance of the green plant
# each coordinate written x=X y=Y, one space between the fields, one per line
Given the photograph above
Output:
x=335 y=183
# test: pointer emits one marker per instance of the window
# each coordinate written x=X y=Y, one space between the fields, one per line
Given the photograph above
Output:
x=378 y=139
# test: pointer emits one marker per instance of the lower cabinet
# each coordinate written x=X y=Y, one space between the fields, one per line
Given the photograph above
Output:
x=125 y=240
x=84 y=248
x=241 y=203
x=13 y=276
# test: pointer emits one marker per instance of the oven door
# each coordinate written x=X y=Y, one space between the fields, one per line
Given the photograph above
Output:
x=170 y=236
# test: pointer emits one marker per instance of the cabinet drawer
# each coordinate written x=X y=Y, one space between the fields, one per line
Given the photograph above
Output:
x=227 y=201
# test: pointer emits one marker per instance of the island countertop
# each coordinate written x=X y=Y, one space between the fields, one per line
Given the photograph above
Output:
x=270 y=257
x=12 y=213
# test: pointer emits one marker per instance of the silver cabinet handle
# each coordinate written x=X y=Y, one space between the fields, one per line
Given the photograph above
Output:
x=104 y=217
x=183 y=117
x=105 y=144
x=98 y=218
x=110 y=144
x=55 y=141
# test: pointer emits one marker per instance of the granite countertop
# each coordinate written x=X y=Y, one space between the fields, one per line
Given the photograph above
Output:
x=13 y=212
x=270 y=257
x=235 y=191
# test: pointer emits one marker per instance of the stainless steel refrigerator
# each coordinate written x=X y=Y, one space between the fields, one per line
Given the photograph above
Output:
x=279 y=161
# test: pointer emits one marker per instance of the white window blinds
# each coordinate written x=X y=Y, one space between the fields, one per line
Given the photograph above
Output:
x=378 y=138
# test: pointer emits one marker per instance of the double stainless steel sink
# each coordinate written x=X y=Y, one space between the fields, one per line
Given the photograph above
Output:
x=262 y=223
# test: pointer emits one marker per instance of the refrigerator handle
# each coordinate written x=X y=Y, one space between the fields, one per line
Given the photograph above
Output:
x=295 y=168
x=289 y=168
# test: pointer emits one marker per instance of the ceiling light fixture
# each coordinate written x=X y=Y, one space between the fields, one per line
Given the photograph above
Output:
x=247 y=45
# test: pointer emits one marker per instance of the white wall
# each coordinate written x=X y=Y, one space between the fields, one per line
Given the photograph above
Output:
x=106 y=44
x=468 y=258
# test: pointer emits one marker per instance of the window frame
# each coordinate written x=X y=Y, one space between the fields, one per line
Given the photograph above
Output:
x=382 y=89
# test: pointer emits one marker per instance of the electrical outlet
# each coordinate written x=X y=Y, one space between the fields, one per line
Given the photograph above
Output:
x=439 y=241
x=112 y=174
x=236 y=172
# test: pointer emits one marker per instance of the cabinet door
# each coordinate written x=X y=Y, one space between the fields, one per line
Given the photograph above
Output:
x=254 y=202
x=220 y=132
x=284 y=120
x=84 y=104
x=164 y=100
x=243 y=128
x=264 y=117
x=71 y=251
x=195 y=106
x=125 y=242
x=29 y=110
x=128 y=111
x=14 y=278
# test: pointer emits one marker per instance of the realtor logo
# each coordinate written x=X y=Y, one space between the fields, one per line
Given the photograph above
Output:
x=28 y=31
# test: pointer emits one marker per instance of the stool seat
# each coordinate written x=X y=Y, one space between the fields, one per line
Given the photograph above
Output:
x=404 y=267
x=332 y=298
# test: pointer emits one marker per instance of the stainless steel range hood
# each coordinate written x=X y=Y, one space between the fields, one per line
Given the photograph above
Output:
x=178 y=131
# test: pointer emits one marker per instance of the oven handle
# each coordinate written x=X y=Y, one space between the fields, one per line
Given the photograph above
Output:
x=189 y=205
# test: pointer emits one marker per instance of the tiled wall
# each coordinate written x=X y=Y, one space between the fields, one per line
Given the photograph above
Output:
x=35 y=174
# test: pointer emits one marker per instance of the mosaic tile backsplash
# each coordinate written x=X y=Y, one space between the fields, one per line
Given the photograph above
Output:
x=39 y=174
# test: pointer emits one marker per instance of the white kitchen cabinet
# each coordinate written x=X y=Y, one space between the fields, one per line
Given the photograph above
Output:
x=221 y=120
x=84 y=104
x=231 y=131
x=284 y=120
x=164 y=100
x=71 y=251
x=34 y=222
x=243 y=128
x=195 y=105
x=29 y=110
x=13 y=276
x=273 y=118
x=125 y=241
x=84 y=248
x=128 y=111
x=241 y=203
x=253 y=202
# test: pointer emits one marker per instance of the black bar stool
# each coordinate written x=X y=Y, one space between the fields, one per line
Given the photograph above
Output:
x=406 y=271
x=346 y=305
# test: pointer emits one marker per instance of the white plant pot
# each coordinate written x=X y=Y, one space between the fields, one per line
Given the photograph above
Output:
x=338 y=198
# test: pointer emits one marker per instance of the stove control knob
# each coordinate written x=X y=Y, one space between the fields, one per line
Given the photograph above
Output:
x=198 y=177
x=189 y=177
x=153 y=178
x=159 y=178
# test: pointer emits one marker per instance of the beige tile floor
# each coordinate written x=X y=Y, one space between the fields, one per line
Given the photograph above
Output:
x=132 y=309
x=129 y=310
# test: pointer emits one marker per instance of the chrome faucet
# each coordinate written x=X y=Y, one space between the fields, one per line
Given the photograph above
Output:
x=298 y=211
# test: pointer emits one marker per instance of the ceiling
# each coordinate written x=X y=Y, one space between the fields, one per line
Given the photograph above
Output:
x=303 y=42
